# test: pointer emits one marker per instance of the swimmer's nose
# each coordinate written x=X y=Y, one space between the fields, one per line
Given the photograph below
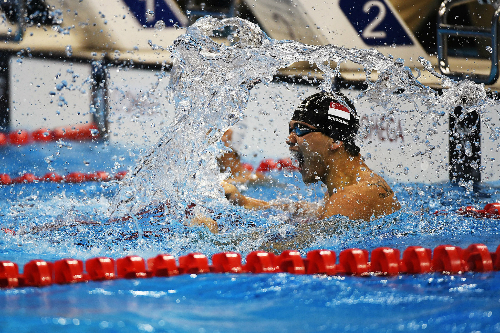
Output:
x=292 y=139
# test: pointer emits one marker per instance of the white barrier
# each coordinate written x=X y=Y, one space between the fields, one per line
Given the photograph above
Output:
x=490 y=145
x=48 y=94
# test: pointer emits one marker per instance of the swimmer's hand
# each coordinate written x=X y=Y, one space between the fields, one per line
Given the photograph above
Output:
x=236 y=198
x=233 y=194
x=199 y=219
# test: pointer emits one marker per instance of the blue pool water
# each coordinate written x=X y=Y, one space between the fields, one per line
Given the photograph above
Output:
x=228 y=302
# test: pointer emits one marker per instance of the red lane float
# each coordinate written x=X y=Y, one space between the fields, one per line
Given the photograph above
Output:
x=9 y=274
x=42 y=135
x=52 y=177
x=69 y=271
x=100 y=268
x=321 y=262
x=3 y=139
x=290 y=261
x=477 y=258
x=246 y=166
x=26 y=178
x=447 y=259
x=77 y=132
x=5 y=179
x=270 y=165
x=163 y=265
x=120 y=175
x=353 y=262
x=75 y=177
x=286 y=163
x=72 y=177
x=19 y=137
x=193 y=263
x=266 y=165
x=38 y=273
x=385 y=261
x=131 y=267
x=226 y=262
x=416 y=260
x=260 y=262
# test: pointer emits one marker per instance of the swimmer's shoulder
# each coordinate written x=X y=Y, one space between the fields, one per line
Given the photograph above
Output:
x=369 y=197
x=380 y=195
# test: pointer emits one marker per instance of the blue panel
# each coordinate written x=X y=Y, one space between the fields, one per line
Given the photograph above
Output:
x=374 y=22
x=161 y=11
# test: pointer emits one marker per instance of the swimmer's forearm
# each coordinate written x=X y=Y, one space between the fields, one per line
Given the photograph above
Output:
x=251 y=203
x=299 y=208
x=296 y=208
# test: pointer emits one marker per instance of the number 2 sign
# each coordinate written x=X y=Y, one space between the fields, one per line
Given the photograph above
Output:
x=375 y=22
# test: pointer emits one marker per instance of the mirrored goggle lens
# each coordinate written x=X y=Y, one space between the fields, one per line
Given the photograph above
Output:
x=301 y=130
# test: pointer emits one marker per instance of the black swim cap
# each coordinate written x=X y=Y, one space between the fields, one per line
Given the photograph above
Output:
x=334 y=115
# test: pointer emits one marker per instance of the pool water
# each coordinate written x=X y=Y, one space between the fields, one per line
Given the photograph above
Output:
x=51 y=222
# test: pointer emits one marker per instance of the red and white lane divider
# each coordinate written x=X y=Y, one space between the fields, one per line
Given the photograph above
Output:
x=447 y=259
x=491 y=210
x=72 y=177
x=81 y=132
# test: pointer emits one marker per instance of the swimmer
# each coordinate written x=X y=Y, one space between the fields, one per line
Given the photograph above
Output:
x=322 y=133
x=231 y=162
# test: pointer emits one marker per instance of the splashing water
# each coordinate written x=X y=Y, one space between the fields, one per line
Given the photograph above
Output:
x=210 y=87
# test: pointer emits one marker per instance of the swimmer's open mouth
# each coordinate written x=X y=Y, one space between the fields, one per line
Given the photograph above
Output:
x=298 y=158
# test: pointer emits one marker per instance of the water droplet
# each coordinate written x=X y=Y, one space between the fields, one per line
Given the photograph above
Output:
x=468 y=149
x=63 y=84
x=159 y=25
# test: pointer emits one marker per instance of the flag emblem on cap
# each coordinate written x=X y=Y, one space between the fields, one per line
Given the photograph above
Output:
x=339 y=110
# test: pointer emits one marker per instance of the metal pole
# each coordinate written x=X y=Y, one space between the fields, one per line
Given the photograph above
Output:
x=465 y=146
x=99 y=97
x=4 y=92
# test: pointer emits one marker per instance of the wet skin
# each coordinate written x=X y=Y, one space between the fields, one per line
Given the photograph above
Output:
x=354 y=190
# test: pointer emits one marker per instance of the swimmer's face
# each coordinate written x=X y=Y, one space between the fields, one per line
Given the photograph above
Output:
x=308 y=146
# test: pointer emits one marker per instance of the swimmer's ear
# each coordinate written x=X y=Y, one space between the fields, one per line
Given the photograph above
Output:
x=335 y=144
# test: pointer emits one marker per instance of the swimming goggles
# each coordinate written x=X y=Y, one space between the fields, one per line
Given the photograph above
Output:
x=301 y=129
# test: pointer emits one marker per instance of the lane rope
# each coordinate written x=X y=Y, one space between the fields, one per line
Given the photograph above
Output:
x=385 y=261
x=80 y=132
x=80 y=177
x=72 y=177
